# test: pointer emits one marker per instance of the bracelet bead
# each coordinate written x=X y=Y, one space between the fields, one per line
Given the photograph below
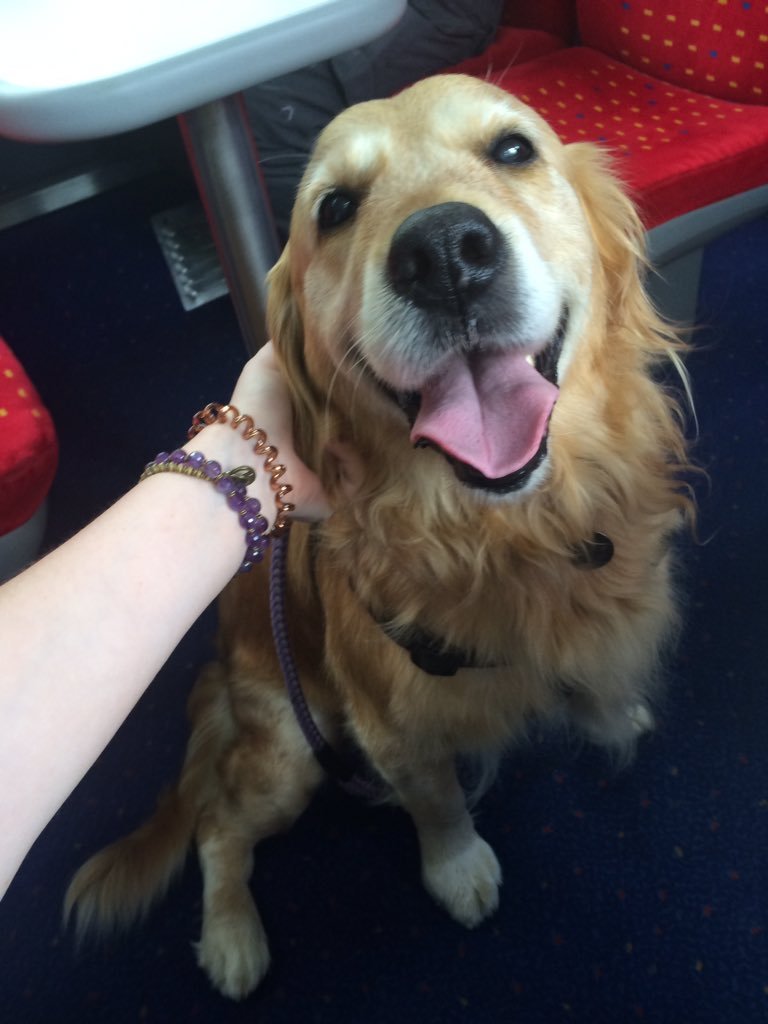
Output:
x=214 y=412
x=232 y=484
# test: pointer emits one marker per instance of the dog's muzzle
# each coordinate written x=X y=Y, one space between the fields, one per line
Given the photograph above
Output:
x=445 y=257
x=486 y=405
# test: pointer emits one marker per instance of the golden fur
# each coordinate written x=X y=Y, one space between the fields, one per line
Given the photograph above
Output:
x=492 y=575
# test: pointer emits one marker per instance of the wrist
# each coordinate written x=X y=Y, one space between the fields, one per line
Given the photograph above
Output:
x=218 y=441
x=227 y=447
x=270 y=488
x=231 y=487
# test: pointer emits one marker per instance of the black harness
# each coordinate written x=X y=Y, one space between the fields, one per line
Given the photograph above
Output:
x=429 y=653
x=426 y=651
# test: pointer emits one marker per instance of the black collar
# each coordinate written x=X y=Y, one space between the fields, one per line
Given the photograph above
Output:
x=429 y=653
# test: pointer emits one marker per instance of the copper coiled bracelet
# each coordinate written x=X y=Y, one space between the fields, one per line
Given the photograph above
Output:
x=215 y=412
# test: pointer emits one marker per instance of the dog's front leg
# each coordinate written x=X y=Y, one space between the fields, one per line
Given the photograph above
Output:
x=459 y=869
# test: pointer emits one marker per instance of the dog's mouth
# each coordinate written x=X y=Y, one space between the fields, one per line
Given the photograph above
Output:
x=488 y=412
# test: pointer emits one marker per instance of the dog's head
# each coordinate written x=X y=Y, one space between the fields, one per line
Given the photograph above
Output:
x=453 y=274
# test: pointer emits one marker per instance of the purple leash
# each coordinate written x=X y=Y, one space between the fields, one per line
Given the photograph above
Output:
x=338 y=767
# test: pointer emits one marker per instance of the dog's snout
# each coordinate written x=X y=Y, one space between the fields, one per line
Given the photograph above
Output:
x=445 y=255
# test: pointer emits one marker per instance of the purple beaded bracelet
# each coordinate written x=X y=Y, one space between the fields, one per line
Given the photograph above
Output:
x=232 y=484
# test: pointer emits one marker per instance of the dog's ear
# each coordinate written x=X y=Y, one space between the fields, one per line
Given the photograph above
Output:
x=621 y=241
x=614 y=223
x=286 y=329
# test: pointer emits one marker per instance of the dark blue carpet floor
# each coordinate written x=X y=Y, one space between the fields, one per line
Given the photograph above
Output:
x=638 y=896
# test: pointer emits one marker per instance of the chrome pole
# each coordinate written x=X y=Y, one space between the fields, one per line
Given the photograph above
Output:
x=223 y=155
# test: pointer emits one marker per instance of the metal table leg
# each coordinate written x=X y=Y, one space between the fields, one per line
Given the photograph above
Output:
x=223 y=155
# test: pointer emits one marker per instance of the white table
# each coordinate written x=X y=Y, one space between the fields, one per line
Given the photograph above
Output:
x=79 y=69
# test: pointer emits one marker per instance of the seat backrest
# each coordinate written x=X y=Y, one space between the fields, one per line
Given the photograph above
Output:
x=558 y=17
x=716 y=47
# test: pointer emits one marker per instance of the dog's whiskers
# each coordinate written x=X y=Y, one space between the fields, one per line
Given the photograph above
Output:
x=359 y=369
x=495 y=76
x=352 y=352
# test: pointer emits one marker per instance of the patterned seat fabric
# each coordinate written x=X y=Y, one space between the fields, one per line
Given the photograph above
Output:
x=28 y=445
x=717 y=47
x=683 y=117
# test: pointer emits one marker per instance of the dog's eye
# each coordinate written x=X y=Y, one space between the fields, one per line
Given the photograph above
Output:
x=336 y=208
x=512 y=149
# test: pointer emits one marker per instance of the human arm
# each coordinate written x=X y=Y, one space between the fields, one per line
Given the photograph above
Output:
x=85 y=630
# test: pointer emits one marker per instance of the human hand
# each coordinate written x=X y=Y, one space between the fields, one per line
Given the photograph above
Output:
x=262 y=392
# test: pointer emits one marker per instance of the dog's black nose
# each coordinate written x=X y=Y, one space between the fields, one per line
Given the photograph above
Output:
x=445 y=255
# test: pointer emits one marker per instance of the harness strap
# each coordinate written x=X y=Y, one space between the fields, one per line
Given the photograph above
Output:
x=428 y=652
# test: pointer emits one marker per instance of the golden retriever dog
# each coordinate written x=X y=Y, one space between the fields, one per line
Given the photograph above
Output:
x=461 y=303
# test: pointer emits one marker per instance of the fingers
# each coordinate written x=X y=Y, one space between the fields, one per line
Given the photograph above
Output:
x=261 y=391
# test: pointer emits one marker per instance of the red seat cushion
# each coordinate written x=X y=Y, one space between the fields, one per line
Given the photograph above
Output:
x=719 y=48
x=518 y=44
x=677 y=150
x=28 y=445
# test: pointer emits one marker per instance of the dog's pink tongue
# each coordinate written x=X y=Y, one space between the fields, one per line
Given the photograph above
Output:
x=489 y=411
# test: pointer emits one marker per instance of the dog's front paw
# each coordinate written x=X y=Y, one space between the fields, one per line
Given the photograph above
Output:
x=465 y=883
x=616 y=726
x=233 y=951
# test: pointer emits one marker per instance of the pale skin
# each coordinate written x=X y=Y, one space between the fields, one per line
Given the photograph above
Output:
x=85 y=630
